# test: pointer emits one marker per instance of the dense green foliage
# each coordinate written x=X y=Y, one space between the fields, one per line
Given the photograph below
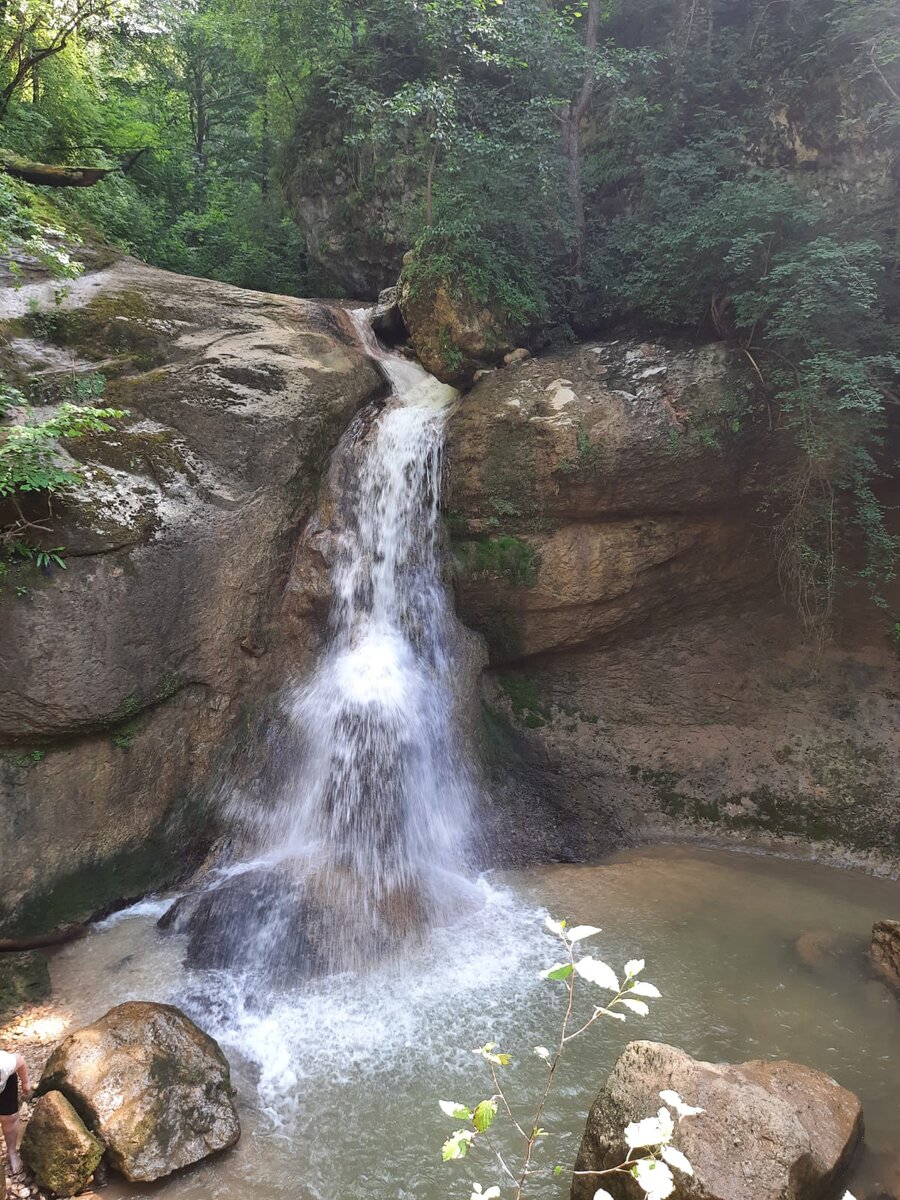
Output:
x=717 y=165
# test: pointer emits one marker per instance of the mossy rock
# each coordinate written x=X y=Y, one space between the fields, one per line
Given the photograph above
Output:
x=24 y=979
x=59 y=1148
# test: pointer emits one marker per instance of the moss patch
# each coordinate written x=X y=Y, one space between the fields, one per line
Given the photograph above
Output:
x=498 y=557
x=158 y=861
x=846 y=802
x=526 y=703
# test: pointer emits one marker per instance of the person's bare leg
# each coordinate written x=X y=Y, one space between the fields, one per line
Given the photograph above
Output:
x=10 y=1127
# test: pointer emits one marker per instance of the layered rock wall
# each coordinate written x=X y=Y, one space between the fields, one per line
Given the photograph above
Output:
x=611 y=539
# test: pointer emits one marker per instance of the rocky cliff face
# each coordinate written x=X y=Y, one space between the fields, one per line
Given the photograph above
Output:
x=606 y=513
x=129 y=676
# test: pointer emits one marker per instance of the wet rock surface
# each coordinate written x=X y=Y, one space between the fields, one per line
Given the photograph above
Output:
x=769 y=1130
x=58 y=1148
x=155 y=1088
x=607 y=516
x=130 y=675
x=885 y=952
x=275 y=928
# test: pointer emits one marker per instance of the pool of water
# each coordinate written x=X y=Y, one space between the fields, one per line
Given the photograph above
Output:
x=338 y=1083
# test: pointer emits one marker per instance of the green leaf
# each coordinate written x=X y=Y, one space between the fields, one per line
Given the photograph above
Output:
x=457 y=1145
x=560 y=971
x=484 y=1114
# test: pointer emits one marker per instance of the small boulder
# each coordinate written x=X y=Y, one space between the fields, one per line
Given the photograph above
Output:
x=386 y=318
x=58 y=1148
x=152 y=1085
x=454 y=332
x=769 y=1130
x=24 y=979
x=885 y=952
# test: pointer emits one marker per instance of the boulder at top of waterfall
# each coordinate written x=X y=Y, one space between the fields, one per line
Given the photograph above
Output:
x=768 y=1130
x=62 y=1153
x=885 y=951
x=152 y=1085
x=453 y=331
x=387 y=320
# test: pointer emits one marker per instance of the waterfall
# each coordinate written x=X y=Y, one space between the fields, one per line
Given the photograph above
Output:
x=360 y=848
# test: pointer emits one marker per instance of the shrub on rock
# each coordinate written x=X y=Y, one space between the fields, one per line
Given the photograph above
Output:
x=152 y=1085
x=768 y=1130
x=61 y=1152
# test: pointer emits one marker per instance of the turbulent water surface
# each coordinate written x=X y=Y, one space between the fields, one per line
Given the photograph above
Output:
x=338 y=1082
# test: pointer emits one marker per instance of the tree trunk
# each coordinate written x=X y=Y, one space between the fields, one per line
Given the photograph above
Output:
x=578 y=109
x=51 y=176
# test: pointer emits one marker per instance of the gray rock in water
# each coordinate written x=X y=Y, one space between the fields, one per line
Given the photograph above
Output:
x=885 y=952
x=24 y=978
x=769 y=1130
x=155 y=1088
x=277 y=929
x=387 y=320
x=58 y=1148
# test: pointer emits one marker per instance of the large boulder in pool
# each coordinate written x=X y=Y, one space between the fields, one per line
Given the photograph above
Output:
x=277 y=928
x=58 y=1148
x=155 y=1088
x=769 y=1130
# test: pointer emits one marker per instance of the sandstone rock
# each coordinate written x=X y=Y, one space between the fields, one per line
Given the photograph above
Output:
x=814 y=946
x=24 y=979
x=885 y=951
x=769 y=1130
x=58 y=1148
x=181 y=546
x=152 y=1085
x=582 y=510
x=453 y=333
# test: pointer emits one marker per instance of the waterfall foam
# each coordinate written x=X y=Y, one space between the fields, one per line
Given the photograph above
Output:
x=361 y=844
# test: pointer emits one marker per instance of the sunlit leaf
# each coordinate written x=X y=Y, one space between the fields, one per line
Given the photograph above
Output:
x=484 y=1114
x=457 y=1145
x=595 y=971
x=458 y=1112
x=644 y=989
x=676 y=1159
x=580 y=932
x=558 y=971
x=637 y=1006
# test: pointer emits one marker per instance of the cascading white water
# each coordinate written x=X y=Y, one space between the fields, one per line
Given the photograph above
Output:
x=381 y=789
x=359 y=847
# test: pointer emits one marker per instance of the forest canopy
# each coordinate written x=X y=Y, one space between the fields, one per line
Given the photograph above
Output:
x=727 y=167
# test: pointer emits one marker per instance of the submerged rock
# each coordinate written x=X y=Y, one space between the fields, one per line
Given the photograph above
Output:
x=24 y=978
x=769 y=1130
x=58 y=1148
x=152 y=1085
x=885 y=951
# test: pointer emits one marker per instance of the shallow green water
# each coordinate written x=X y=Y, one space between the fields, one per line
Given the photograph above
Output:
x=339 y=1083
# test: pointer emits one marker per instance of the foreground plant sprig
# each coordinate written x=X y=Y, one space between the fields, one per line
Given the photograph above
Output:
x=650 y=1153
